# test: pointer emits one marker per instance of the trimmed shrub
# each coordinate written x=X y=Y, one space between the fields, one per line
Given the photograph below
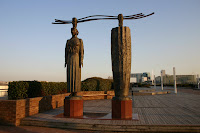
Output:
x=179 y=85
x=34 y=89
x=17 y=90
x=53 y=88
x=140 y=85
x=97 y=84
x=29 y=89
x=186 y=85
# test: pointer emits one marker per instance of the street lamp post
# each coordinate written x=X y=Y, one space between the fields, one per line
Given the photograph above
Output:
x=198 y=81
x=161 y=79
x=154 y=81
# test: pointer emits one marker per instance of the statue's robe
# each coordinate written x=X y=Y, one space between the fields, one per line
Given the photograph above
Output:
x=74 y=53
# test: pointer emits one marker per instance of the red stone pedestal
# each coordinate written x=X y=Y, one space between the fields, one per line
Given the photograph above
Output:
x=73 y=107
x=122 y=109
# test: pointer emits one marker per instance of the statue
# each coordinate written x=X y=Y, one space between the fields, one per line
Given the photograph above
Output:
x=74 y=53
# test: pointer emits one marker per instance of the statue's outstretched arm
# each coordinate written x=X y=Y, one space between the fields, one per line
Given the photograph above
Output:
x=81 y=54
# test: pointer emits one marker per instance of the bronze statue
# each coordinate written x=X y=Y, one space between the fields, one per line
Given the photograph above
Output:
x=74 y=53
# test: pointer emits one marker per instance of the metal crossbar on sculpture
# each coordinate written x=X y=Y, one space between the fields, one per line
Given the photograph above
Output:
x=103 y=17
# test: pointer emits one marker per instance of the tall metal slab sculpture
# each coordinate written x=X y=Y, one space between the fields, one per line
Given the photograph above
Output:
x=121 y=67
x=121 y=60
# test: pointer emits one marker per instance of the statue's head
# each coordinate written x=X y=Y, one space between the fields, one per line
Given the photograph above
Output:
x=74 y=31
x=74 y=22
x=120 y=18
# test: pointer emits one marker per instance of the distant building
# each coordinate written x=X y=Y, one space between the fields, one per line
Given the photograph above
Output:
x=140 y=77
x=180 y=79
x=133 y=80
x=3 y=83
x=110 y=77
x=137 y=77
x=3 y=89
x=147 y=76
x=163 y=72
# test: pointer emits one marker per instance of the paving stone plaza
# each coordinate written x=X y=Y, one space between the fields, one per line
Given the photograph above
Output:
x=168 y=112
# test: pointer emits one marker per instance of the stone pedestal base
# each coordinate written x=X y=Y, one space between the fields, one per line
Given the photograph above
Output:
x=73 y=107
x=121 y=109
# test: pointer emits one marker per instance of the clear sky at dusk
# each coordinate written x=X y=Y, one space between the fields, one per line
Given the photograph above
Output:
x=32 y=48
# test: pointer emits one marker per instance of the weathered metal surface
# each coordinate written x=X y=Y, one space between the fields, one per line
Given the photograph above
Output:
x=121 y=61
x=74 y=53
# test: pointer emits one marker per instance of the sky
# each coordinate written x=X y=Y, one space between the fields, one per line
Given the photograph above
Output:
x=32 y=48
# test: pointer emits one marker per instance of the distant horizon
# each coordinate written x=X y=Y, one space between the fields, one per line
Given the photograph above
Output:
x=89 y=77
x=93 y=76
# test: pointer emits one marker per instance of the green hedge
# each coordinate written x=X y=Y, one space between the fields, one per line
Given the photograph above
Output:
x=18 y=90
x=29 y=89
x=181 y=85
x=53 y=88
x=140 y=85
x=97 y=84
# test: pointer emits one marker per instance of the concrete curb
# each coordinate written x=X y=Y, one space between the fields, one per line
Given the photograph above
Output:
x=111 y=127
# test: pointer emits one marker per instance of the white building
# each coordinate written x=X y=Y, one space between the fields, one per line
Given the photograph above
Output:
x=3 y=89
x=110 y=77
x=140 y=77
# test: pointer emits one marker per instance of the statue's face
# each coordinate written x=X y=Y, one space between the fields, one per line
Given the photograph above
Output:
x=74 y=32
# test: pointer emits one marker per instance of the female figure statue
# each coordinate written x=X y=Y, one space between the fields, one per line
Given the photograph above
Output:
x=74 y=53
